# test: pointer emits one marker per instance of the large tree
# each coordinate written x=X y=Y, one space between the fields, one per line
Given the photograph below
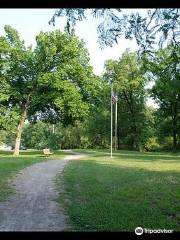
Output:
x=52 y=82
x=164 y=69
x=8 y=117
x=127 y=77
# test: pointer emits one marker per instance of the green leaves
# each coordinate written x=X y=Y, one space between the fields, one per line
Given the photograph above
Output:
x=156 y=26
x=51 y=83
x=128 y=79
x=13 y=38
x=164 y=68
x=55 y=76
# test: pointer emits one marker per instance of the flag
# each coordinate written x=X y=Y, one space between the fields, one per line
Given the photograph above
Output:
x=114 y=98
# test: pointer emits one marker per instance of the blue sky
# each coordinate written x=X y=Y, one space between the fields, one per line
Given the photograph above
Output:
x=29 y=22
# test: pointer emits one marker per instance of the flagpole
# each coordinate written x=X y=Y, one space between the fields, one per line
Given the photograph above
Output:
x=111 y=119
x=116 y=125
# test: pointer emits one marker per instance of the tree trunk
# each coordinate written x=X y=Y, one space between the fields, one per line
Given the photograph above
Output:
x=19 y=132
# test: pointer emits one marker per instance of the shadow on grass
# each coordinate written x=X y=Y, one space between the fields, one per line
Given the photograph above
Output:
x=145 y=157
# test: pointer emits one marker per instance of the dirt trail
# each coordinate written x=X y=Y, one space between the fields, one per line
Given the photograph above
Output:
x=33 y=208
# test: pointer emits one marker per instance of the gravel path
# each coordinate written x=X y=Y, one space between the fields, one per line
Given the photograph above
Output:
x=33 y=208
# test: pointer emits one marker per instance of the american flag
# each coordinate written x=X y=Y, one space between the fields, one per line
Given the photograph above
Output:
x=114 y=98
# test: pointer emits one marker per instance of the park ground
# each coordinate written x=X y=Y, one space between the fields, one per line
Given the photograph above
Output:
x=103 y=194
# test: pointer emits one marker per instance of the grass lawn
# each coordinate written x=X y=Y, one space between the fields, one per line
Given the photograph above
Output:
x=132 y=189
x=10 y=165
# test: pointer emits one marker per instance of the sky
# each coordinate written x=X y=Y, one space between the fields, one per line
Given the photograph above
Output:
x=29 y=22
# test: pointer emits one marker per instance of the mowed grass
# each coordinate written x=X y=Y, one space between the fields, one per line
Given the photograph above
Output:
x=132 y=189
x=10 y=166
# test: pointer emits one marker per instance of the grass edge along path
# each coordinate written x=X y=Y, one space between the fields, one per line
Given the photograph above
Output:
x=11 y=165
x=130 y=190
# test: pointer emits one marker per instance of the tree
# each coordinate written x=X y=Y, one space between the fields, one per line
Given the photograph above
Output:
x=160 y=23
x=40 y=135
x=98 y=122
x=52 y=82
x=127 y=76
x=8 y=117
x=164 y=68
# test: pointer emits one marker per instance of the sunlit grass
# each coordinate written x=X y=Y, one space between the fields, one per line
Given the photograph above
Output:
x=132 y=189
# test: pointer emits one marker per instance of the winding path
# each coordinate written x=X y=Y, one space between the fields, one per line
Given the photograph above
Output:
x=33 y=207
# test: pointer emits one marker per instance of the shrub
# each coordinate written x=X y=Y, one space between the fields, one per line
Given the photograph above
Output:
x=152 y=144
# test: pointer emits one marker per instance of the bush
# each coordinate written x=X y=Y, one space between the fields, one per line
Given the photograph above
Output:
x=152 y=144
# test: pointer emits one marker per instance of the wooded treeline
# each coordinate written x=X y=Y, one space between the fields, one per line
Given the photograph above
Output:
x=50 y=97
x=140 y=127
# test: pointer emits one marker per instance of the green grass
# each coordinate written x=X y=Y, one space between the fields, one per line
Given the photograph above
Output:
x=10 y=165
x=132 y=189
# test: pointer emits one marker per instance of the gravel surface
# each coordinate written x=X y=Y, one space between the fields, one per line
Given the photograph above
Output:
x=33 y=207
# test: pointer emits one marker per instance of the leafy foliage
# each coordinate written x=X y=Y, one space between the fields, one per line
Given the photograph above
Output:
x=128 y=81
x=53 y=82
x=164 y=68
x=152 y=144
x=156 y=22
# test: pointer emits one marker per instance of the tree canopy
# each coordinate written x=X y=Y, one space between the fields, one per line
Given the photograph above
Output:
x=156 y=26
x=164 y=68
x=52 y=82
x=127 y=76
